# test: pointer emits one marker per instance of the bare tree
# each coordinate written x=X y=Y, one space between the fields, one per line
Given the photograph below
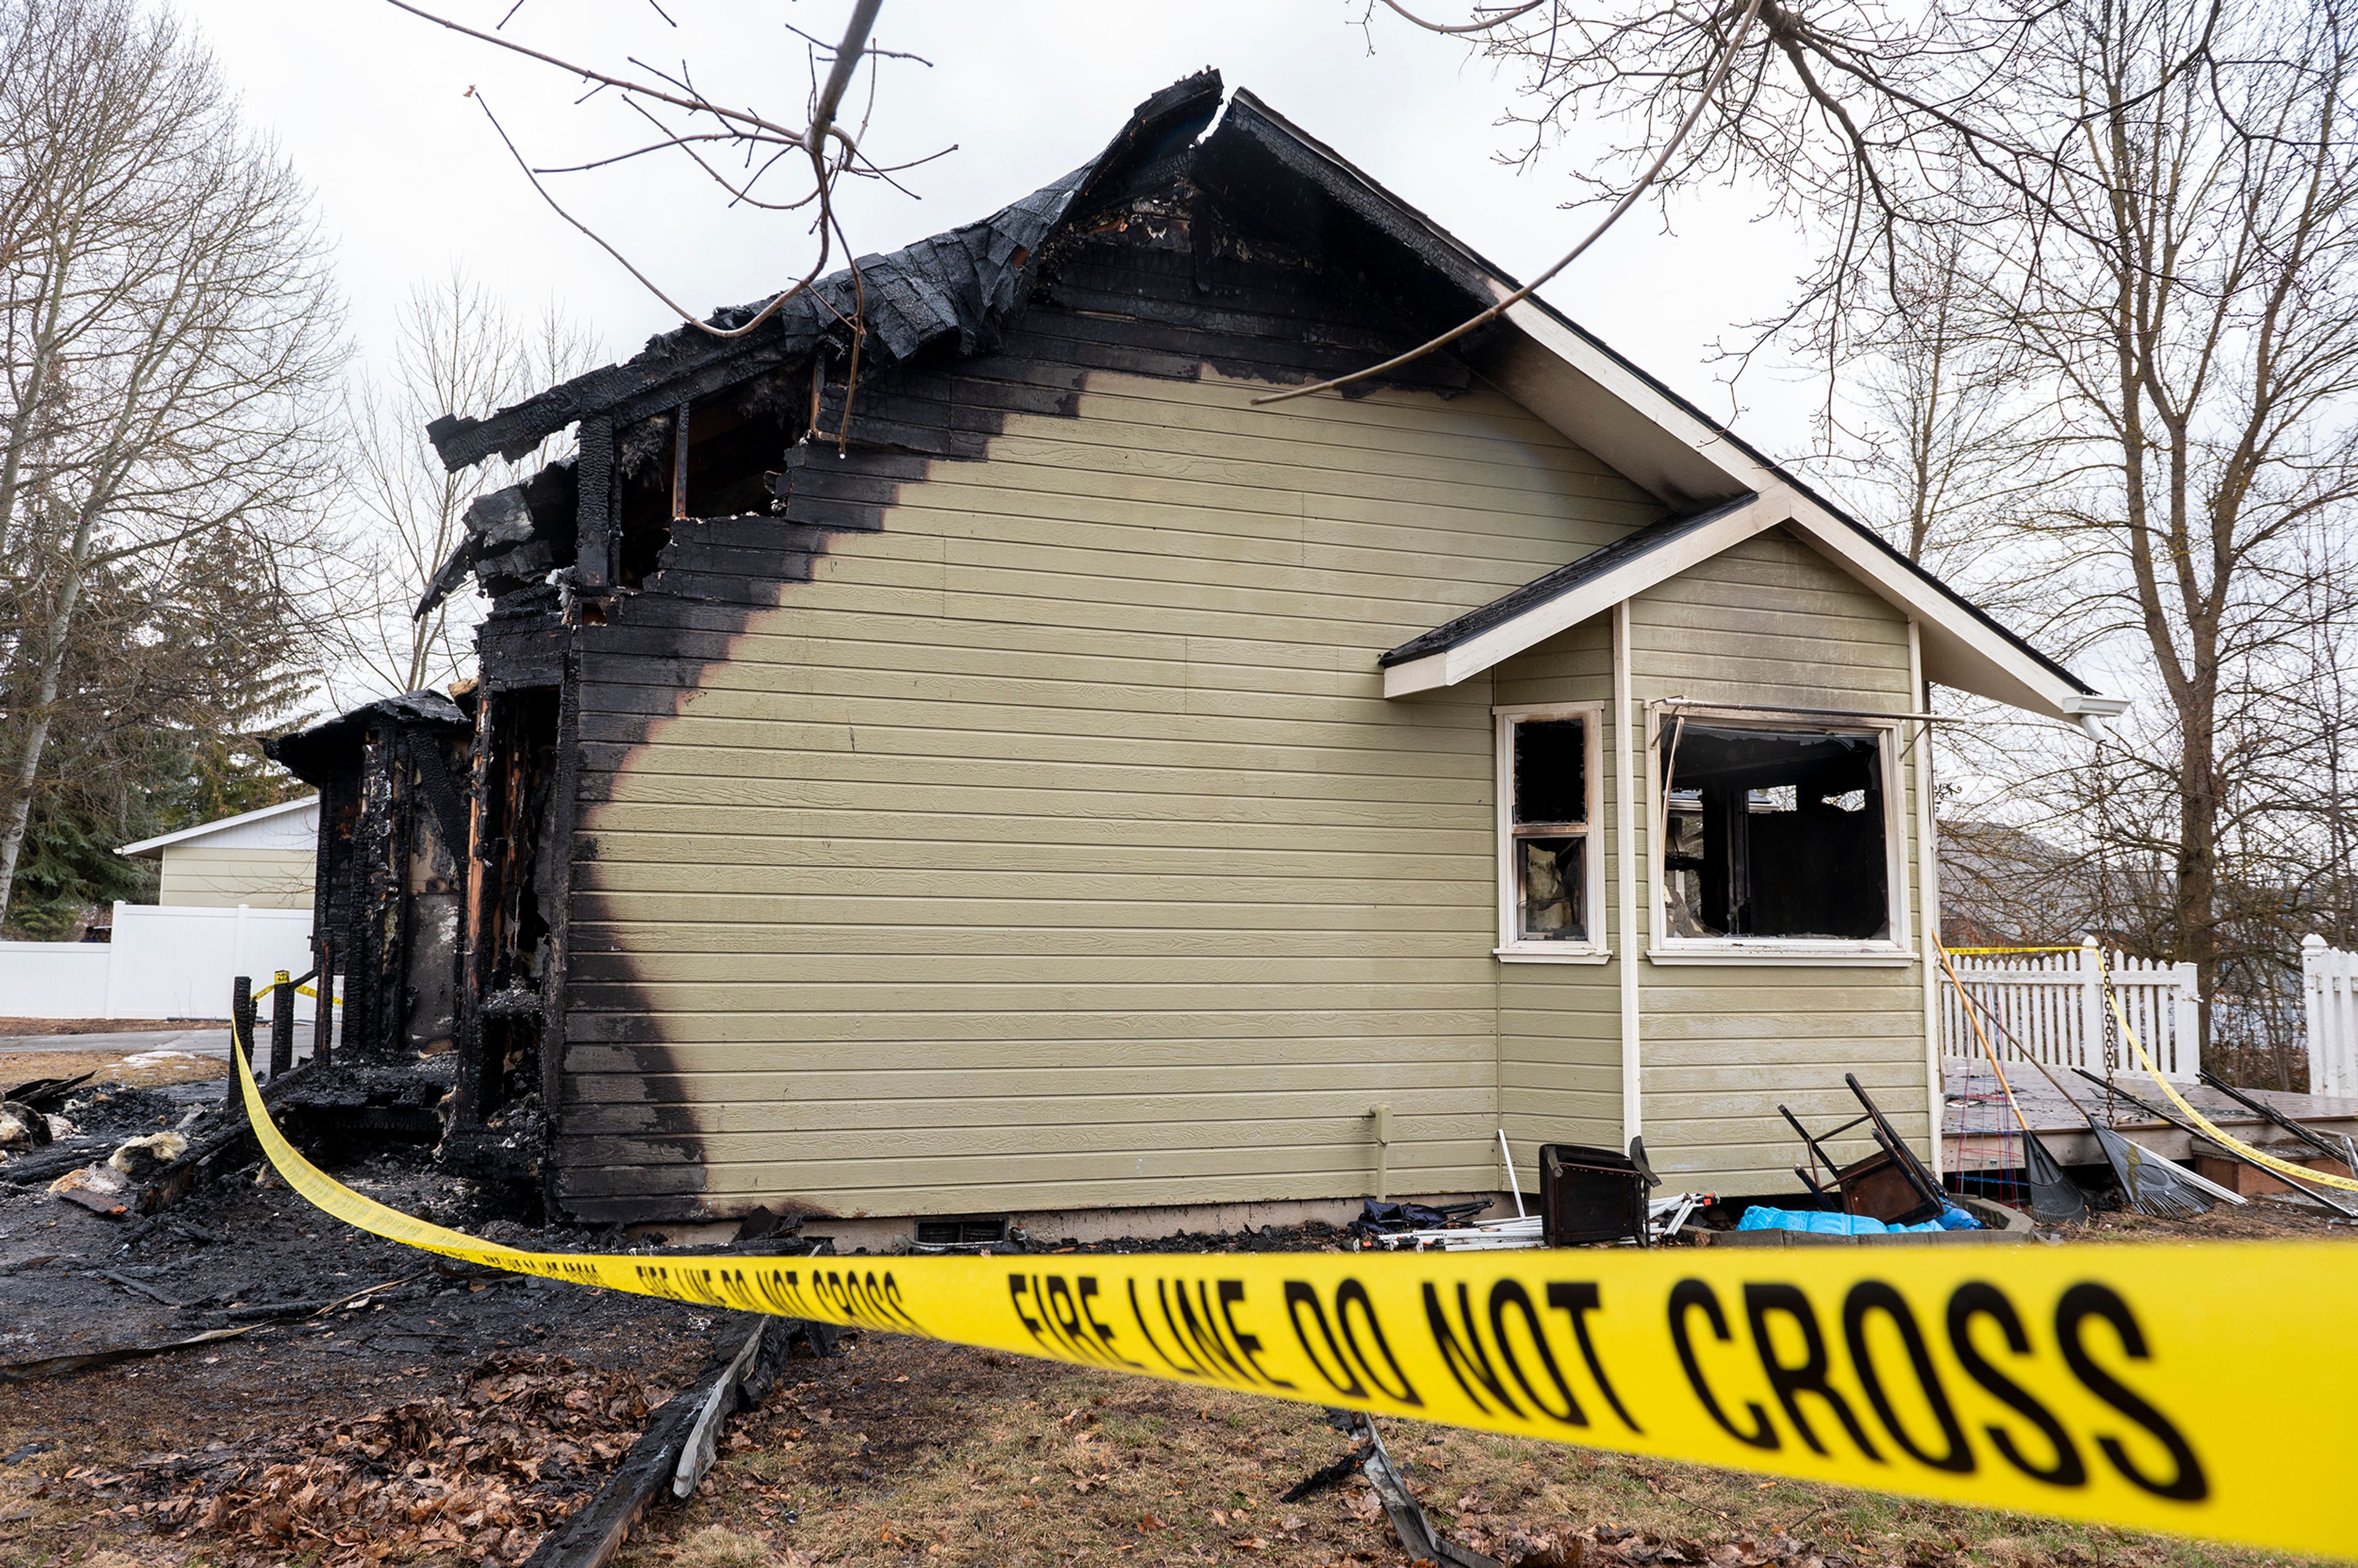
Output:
x=1933 y=430
x=2188 y=301
x=458 y=349
x=168 y=334
x=772 y=150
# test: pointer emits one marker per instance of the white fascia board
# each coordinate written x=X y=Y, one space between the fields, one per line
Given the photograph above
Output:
x=1626 y=386
x=206 y=829
x=1447 y=666
x=1960 y=649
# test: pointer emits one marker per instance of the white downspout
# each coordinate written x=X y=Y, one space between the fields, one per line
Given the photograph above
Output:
x=1928 y=897
x=1625 y=846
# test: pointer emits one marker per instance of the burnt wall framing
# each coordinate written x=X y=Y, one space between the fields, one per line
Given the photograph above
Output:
x=392 y=836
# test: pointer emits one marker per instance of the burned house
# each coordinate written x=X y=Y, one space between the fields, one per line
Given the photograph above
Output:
x=952 y=751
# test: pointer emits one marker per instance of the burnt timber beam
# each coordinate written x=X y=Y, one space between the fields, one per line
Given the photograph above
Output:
x=593 y=507
x=911 y=301
x=623 y=392
x=671 y=1455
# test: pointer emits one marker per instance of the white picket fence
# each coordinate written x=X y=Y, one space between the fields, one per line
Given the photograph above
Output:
x=2052 y=1006
x=165 y=961
x=2328 y=981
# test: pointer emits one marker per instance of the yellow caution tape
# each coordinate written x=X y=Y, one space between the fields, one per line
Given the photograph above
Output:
x=2200 y=1391
x=2210 y=1130
x=299 y=991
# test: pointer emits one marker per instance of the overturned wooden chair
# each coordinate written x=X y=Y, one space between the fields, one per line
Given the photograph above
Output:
x=1890 y=1185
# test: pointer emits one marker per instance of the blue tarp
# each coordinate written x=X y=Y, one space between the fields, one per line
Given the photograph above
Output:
x=1817 y=1222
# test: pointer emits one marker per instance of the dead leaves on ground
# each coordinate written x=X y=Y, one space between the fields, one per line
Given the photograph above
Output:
x=485 y=1473
x=1605 y=1547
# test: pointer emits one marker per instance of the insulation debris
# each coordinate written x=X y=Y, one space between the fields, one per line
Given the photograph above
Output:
x=22 y=1127
x=140 y=1158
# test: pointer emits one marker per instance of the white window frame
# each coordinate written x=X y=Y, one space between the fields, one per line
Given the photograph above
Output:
x=1894 y=950
x=1593 y=949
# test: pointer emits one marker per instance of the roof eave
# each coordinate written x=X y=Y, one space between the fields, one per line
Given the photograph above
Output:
x=1962 y=648
x=1666 y=444
x=1491 y=645
x=165 y=841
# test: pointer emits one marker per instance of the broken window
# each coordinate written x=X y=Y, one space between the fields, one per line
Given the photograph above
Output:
x=1774 y=830
x=1547 y=779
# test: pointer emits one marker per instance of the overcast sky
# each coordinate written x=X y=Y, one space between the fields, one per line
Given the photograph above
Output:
x=371 y=104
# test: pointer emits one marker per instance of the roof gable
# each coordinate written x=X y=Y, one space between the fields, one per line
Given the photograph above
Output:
x=962 y=285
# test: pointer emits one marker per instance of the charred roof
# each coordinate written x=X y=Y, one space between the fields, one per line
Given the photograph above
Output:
x=320 y=752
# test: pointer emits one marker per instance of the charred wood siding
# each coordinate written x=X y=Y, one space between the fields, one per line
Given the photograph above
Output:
x=1017 y=821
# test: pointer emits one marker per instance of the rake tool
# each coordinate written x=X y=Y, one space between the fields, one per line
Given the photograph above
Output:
x=2055 y=1198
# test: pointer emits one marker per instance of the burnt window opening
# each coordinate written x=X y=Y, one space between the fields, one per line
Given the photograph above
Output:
x=1547 y=808
x=1774 y=831
x=737 y=440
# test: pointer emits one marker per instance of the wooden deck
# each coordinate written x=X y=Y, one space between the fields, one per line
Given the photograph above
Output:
x=1979 y=1134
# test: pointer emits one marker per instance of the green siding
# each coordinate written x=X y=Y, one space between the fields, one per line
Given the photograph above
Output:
x=1056 y=845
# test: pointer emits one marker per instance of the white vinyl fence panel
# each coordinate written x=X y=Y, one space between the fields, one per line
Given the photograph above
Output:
x=165 y=961
x=2051 y=1007
x=2328 y=980
x=52 y=980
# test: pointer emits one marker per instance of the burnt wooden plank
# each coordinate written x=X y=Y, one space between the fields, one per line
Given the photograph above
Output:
x=755 y=590
x=593 y=1536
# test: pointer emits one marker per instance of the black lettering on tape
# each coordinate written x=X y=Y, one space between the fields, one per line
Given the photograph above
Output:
x=1793 y=1380
x=1979 y=1298
x=876 y=1301
x=1066 y=1312
x=1018 y=1287
x=1300 y=1293
x=1138 y=1315
x=1231 y=1292
x=2079 y=1303
x=1468 y=1360
x=1508 y=1294
x=1577 y=1299
x=1352 y=1294
x=1086 y=1287
x=1204 y=1333
x=893 y=1299
x=1872 y=1296
x=1686 y=1296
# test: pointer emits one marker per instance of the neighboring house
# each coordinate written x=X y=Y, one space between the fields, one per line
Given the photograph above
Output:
x=260 y=859
x=1035 y=776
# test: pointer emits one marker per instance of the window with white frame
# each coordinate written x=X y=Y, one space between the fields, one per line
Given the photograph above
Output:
x=1550 y=873
x=1775 y=830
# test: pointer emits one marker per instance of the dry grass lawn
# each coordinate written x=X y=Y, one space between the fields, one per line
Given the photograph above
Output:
x=911 y=1453
x=24 y=1066
x=20 y=1028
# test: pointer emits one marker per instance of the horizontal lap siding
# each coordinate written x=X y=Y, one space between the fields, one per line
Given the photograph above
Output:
x=1055 y=845
x=223 y=878
x=1773 y=622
